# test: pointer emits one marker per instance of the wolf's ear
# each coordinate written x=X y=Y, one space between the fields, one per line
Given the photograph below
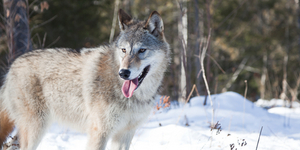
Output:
x=124 y=19
x=155 y=24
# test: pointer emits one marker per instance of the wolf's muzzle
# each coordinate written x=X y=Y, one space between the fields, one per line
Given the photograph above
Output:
x=124 y=74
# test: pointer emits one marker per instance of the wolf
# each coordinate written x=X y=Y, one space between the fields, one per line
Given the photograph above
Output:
x=106 y=92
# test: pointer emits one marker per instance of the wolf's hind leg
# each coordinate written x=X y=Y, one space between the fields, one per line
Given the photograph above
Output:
x=31 y=132
x=6 y=126
x=122 y=140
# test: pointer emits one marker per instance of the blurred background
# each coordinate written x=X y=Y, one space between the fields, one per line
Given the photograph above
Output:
x=253 y=44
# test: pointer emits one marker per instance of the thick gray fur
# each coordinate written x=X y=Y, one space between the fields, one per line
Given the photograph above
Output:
x=83 y=89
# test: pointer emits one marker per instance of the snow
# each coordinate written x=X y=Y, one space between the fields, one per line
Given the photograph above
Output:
x=276 y=103
x=240 y=121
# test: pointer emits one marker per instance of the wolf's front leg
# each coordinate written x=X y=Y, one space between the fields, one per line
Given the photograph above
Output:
x=122 y=140
x=97 y=140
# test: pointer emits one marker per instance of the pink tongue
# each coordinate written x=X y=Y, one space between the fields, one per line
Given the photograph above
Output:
x=129 y=86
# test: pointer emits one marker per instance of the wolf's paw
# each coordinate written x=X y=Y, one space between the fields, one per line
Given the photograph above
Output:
x=12 y=144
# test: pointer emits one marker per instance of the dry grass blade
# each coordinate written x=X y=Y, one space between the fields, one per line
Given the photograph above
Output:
x=194 y=88
x=164 y=102
x=216 y=126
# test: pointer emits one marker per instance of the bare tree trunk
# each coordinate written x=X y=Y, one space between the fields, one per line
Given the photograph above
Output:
x=208 y=18
x=208 y=15
x=197 y=43
x=183 y=33
x=17 y=27
x=114 y=22
x=275 y=84
x=263 y=77
x=299 y=29
x=283 y=94
x=284 y=82
x=294 y=92
x=176 y=59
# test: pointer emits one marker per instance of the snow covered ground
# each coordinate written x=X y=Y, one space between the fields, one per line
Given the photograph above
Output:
x=240 y=121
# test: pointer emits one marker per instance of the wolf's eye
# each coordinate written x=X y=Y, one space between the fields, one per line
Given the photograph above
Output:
x=142 y=50
x=123 y=50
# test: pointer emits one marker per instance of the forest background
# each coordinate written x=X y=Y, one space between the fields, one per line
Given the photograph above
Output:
x=249 y=43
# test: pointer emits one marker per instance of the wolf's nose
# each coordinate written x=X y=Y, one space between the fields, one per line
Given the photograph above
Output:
x=124 y=74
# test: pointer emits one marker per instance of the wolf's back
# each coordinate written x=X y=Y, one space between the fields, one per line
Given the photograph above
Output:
x=25 y=78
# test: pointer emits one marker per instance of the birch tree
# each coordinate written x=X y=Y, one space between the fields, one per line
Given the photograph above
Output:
x=183 y=34
x=114 y=22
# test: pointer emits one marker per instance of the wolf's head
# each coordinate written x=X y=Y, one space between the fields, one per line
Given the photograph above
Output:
x=141 y=49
